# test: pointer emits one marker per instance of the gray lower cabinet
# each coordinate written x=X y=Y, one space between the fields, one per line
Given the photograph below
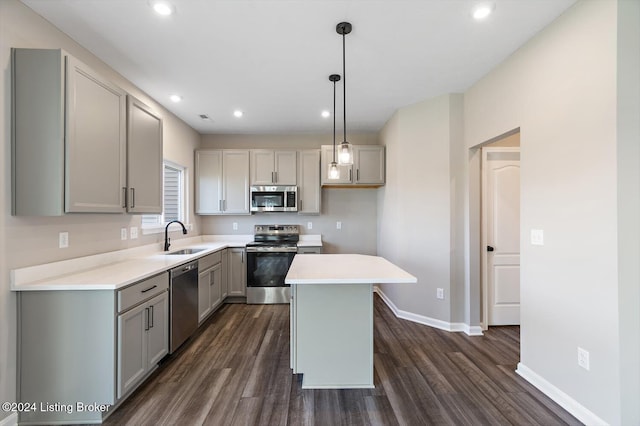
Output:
x=69 y=138
x=142 y=341
x=210 y=285
x=224 y=287
x=237 y=272
x=88 y=347
x=309 y=250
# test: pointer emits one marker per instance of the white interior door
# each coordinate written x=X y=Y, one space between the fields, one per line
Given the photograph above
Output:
x=501 y=208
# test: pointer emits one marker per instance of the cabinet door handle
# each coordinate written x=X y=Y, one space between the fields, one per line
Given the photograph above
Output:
x=276 y=175
x=357 y=175
x=151 y=308
x=150 y=288
x=350 y=175
x=146 y=322
x=133 y=198
x=220 y=205
x=224 y=205
x=124 y=197
x=242 y=256
x=273 y=179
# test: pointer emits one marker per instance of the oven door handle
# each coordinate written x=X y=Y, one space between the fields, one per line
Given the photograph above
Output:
x=272 y=250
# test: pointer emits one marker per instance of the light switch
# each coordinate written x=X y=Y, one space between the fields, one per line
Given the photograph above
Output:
x=309 y=225
x=537 y=237
x=338 y=225
x=235 y=226
x=133 y=232
x=123 y=234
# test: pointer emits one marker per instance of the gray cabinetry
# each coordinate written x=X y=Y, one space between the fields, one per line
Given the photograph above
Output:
x=309 y=190
x=70 y=126
x=143 y=330
x=368 y=167
x=222 y=182
x=144 y=158
x=142 y=341
x=92 y=346
x=237 y=272
x=309 y=250
x=269 y=167
x=224 y=271
x=210 y=285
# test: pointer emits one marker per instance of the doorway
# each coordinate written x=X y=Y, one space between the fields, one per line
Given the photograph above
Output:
x=500 y=234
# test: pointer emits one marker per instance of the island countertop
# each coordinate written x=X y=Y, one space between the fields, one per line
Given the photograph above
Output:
x=345 y=269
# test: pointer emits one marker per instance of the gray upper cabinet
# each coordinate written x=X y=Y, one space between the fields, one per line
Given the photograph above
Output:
x=309 y=190
x=368 y=167
x=222 y=182
x=273 y=167
x=69 y=139
x=368 y=162
x=144 y=158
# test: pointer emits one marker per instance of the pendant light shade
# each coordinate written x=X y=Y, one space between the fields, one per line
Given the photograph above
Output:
x=345 y=151
x=334 y=171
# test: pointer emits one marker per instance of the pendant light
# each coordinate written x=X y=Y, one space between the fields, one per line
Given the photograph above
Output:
x=345 y=151
x=334 y=172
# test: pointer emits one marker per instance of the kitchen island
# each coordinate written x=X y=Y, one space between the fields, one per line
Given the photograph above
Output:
x=332 y=317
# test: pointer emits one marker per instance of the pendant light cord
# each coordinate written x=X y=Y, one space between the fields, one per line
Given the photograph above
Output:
x=334 y=121
x=344 y=89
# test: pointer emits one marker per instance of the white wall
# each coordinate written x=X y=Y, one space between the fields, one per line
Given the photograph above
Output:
x=355 y=208
x=628 y=130
x=560 y=89
x=417 y=206
x=30 y=240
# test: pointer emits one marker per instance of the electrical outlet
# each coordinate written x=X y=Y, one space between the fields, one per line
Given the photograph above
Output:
x=537 y=237
x=440 y=293
x=133 y=232
x=123 y=234
x=235 y=226
x=63 y=240
x=583 y=358
x=338 y=225
x=309 y=225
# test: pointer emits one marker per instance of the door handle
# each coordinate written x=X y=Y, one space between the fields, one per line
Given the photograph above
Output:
x=146 y=314
x=490 y=248
x=133 y=198
x=124 y=197
x=151 y=325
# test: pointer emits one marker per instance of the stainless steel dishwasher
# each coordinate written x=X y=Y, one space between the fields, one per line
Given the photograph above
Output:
x=184 y=303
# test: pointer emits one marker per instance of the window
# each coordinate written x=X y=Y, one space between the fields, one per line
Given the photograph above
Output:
x=173 y=195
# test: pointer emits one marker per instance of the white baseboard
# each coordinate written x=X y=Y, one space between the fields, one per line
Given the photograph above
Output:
x=474 y=330
x=10 y=420
x=562 y=399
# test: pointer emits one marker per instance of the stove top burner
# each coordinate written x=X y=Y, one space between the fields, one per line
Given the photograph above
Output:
x=276 y=234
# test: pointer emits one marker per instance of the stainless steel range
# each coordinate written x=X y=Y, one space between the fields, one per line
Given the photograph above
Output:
x=268 y=261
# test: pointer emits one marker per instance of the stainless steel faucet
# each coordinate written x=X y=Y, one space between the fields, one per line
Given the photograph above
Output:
x=167 y=240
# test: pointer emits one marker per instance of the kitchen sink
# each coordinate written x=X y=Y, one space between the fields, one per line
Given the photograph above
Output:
x=187 y=251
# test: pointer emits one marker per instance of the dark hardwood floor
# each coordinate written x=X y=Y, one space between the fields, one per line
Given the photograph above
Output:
x=235 y=371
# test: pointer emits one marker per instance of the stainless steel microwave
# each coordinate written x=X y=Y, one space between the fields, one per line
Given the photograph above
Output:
x=274 y=198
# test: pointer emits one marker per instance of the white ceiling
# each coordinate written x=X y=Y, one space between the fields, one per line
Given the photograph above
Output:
x=272 y=58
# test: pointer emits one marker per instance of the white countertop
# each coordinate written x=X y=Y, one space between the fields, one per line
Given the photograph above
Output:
x=345 y=269
x=113 y=270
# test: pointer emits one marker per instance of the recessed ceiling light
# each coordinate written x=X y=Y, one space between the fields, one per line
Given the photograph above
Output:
x=163 y=8
x=175 y=98
x=237 y=113
x=482 y=10
x=326 y=114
